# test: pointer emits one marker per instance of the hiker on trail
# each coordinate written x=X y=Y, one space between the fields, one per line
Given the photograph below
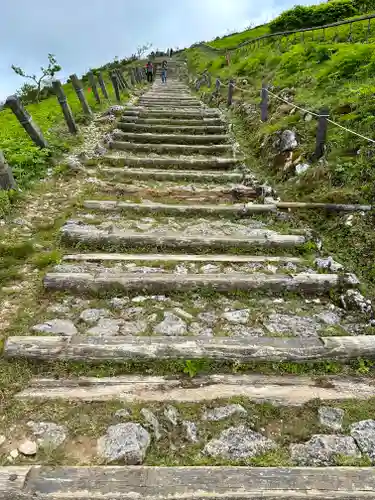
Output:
x=171 y=53
x=150 y=71
x=164 y=68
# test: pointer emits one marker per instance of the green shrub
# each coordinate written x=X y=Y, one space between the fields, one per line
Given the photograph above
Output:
x=316 y=15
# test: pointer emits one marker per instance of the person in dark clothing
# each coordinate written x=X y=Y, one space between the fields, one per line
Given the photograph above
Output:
x=150 y=71
x=171 y=53
x=164 y=68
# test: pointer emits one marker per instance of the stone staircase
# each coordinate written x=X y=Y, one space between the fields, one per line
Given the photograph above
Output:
x=191 y=267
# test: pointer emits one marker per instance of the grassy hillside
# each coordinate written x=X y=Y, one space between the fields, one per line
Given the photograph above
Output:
x=313 y=74
x=29 y=162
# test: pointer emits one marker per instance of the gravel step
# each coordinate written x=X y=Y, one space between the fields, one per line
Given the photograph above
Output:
x=176 y=129
x=115 y=238
x=163 y=483
x=173 y=175
x=239 y=350
x=172 y=148
x=170 y=138
x=280 y=390
x=178 y=162
x=120 y=282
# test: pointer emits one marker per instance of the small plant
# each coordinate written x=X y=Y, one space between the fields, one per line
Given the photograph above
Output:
x=364 y=366
x=52 y=68
x=45 y=259
x=191 y=368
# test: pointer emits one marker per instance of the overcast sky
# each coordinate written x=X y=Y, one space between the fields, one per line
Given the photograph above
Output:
x=89 y=33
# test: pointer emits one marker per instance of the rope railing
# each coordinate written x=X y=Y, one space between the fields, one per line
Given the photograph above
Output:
x=323 y=116
x=302 y=30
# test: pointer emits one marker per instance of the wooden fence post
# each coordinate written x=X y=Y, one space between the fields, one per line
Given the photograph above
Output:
x=93 y=86
x=116 y=86
x=125 y=80
x=120 y=83
x=217 y=86
x=6 y=177
x=132 y=78
x=14 y=103
x=68 y=115
x=77 y=85
x=103 y=86
x=230 y=92
x=121 y=79
x=321 y=133
x=264 y=103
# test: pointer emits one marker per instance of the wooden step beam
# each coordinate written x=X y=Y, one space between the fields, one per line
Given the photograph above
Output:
x=158 y=138
x=184 y=149
x=161 y=257
x=187 y=483
x=122 y=349
x=280 y=390
x=100 y=238
x=120 y=282
x=173 y=175
x=240 y=210
x=186 y=162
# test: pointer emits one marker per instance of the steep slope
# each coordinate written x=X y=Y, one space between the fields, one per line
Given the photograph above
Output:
x=313 y=71
x=189 y=343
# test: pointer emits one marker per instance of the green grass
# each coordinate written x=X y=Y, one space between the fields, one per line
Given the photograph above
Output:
x=30 y=163
x=86 y=422
x=332 y=73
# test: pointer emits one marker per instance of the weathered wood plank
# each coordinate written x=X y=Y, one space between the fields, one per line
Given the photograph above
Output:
x=282 y=390
x=174 y=175
x=6 y=176
x=161 y=257
x=173 y=483
x=172 y=122
x=177 y=129
x=116 y=237
x=170 y=138
x=63 y=101
x=186 y=149
x=168 y=161
x=257 y=349
x=235 y=209
x=26 y=120
x=77 y=85
x=157 y=283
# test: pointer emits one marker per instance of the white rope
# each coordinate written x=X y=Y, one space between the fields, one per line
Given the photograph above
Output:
x=305 y=111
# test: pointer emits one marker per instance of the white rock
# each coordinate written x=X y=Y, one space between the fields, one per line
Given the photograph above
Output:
x=328 y=263
x=56 y=326
x=171 y=325
x=210 y=268
x=238 y=317
x=288 y=141
x=301 y=168
x=191 y=431
x=183 y=314
x=28 y=448
x=2 y=440
x=171 y=414
x=223 y=412
x=123 y=413
x=92 y=316
x=153 y=421
x=14 y=454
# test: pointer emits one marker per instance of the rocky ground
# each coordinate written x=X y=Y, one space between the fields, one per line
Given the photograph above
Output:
x=159 y=308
